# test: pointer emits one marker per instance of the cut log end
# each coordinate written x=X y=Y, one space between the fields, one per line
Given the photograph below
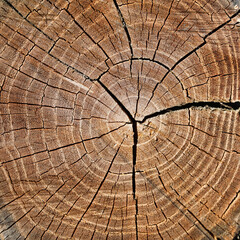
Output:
x=119 y=119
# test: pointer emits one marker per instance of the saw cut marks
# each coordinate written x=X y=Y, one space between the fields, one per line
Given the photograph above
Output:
x=119 y=119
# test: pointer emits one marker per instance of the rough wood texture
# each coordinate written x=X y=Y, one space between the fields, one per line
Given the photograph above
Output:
x=119 y=119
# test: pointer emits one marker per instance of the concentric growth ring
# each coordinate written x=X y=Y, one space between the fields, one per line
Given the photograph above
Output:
x=119 y=119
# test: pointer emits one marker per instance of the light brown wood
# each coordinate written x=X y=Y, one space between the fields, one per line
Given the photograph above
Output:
x=119 y=119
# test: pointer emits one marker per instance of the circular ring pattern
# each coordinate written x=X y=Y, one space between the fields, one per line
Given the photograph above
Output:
x=119 y=120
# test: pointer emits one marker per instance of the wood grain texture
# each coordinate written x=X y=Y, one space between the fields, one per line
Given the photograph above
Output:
x=119 y=119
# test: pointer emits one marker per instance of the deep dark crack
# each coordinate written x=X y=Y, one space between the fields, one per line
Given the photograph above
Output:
x=215 y=105
x=201 y=104
x=114 y=97
x=126 y=31
x=192 y=51
x=134 y=122
x=169 y=11
x=134 y=152
x=237 y=237
x=135 y=133
x=124 y=26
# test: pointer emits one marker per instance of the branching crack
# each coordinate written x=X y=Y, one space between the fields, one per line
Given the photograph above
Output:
x=133 y=121
x=193 y=51
x=169 y=11
x=135 y=135
x=134 y=147
x=20 y=14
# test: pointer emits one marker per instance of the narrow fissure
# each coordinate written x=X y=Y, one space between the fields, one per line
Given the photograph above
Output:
x=193 y=51
x=98 y=189
x=136 y=219
x=169 y=11
x=134 y=149
x=21 y=15
x=124 y=26
x=126 y=31
x=134 y=153
x=215 y=105
x=204 y=227
x=201 y=104
x=133 y=121
x=117 y=101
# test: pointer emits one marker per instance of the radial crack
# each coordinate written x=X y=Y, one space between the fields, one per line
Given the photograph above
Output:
x=49 y=51
x=204 y=39
x=138 y=95
x=134 y=152
x=179 y=205
x=87 y=34
x=11 y=6
x=94 y=196
x=235 y=197
x=124 y=26
x=125 y=110
x=134 y=155
x=169 y=11
x=193 y=51
x=203 y=226
x=135 y=139
x=221 y=105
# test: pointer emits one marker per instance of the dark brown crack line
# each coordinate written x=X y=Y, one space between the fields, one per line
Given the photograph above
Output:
x=124 y=27
x=86 y=77
x=134 y=155
x=169 y=11
x=65 y=146
x=215 y=105
x=77 y=23
x=98 y=189
x=143 y=59
x=13 y=200
x=11 y=6
x=179 y=205
x=134 y=152
x=237 y=237
x=204 y=39
x=203 y=226
x=193 y=51
x=124 y=109
x=135 y=133
x=133 y=121
x=235 y=197
x=106 y=89
x=136 y=219
x=48 y=52
x=138 y=95
x=126 y=31
x=19 y=219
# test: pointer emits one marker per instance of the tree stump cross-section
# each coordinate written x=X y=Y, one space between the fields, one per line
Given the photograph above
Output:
x=120 y=119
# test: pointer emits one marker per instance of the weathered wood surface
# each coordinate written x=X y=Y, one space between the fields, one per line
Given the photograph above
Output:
x=119 y=119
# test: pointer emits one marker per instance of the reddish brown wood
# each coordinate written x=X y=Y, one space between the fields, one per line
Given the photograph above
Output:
x=119 y=119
